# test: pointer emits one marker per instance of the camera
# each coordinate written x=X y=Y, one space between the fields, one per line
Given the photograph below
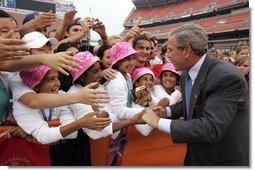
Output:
x=95 y=23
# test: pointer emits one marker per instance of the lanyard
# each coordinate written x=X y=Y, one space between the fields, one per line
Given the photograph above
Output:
x=44 y=115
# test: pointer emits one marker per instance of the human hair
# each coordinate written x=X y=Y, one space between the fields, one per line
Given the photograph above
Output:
x=115 y=36
x=68 y=28
x=164 y=49
x=177 y=76
x=192 y=35
x=4 y=14
x=154 y=40
x=64 y=46
x=100 y=53
x=65 y=80
x=240 y=48
x=141 y=37
x=240 y=61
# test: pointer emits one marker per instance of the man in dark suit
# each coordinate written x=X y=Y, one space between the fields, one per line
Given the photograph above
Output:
x=216 y=116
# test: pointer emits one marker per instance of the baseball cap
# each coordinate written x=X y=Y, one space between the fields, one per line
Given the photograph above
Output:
x=37 y=40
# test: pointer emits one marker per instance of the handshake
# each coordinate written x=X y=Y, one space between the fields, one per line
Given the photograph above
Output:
x=150 y=116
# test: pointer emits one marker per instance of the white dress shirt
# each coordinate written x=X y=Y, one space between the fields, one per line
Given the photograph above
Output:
x=164 y=124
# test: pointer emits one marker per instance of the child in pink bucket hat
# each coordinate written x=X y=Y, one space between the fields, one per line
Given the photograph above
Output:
x=139 y=72
x=34 y=76
x=33 y=121
x=86 y=60
x=170 y=67
x=143 y=81
x=169 y=79
x=121 y=51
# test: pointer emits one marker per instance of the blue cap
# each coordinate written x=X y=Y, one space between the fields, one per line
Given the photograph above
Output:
x=29 y=17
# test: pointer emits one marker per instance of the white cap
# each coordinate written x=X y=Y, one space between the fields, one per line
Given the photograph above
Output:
x=37 y=40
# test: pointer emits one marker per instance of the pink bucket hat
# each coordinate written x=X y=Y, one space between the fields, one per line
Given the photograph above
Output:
x=140 y=72
x=86 y=60
x=34 y=76
x=120 y=51
x=170 y=67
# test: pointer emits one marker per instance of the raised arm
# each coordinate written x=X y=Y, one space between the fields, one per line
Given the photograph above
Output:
x=67 y=21
x=43 y=20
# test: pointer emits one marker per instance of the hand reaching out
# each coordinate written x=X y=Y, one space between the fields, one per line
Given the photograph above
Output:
x=69 y=18
x=93 y=122
x=160 y=111
x=61 y=61
x=164 y=102
x=44 y=20
x=134 y=31
x=151 y=118
x=88 y=95
x=109 y=74
x=12 y=49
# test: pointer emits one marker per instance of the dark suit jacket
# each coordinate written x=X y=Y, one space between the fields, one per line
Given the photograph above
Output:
x=217 y=128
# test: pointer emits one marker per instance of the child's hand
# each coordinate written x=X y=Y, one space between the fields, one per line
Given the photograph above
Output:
x=144 y=100
x=93 y=122
x=102 y=114
x=140 y=92
x=164 y=102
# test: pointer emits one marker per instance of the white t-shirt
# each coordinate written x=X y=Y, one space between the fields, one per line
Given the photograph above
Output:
x=160 y=93
x=118 y=93
x=155 y=61
x=18 y=87
x=79 y=110
x=32 y=122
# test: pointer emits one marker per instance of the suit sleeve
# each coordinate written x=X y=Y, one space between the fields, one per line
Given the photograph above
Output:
x=218 y=105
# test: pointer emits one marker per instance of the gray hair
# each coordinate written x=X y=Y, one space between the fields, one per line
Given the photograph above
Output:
x=192 y=35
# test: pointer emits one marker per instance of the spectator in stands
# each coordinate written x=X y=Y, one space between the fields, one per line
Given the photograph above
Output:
x=213 y=52
x=242 y=63
x=242 y=50
x=225 y=58
x=214 y=105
